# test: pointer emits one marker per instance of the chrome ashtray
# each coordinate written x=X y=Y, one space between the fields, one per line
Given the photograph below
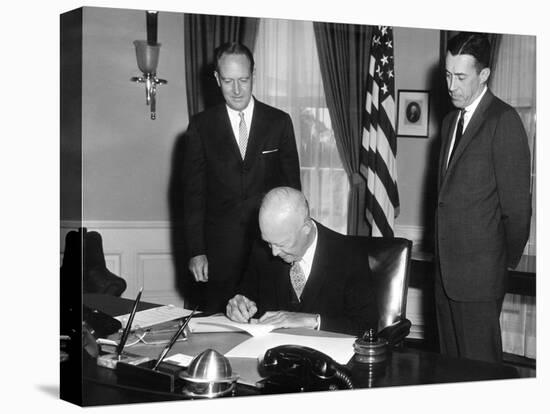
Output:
x=209 y=375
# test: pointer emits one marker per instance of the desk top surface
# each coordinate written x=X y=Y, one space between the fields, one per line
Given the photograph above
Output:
x=402 y=367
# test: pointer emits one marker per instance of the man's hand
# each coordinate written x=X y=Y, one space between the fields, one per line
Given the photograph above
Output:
x=240 y=309
x=198 y=265
x=284 y=319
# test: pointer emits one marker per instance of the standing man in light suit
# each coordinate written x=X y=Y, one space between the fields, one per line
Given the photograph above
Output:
x=484 y=205
x=234 y=153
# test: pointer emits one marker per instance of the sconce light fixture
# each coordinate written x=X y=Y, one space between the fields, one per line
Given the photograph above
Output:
x=147 y=54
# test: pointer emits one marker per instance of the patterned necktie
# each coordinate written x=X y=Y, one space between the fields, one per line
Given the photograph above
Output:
x=459 y=131
x=297 y=278
x=243 y=135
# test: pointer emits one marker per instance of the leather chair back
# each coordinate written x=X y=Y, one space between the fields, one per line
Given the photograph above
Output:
x=389 y=260
x=84 y=259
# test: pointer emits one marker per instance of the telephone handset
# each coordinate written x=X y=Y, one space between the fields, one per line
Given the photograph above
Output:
x=293 y=368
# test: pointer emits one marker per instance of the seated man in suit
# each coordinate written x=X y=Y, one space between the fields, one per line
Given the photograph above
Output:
x=304 y=275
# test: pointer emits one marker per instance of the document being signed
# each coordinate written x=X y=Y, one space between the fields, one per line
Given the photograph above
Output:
x=221 y=323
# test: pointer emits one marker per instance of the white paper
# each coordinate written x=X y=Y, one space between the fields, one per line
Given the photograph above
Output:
x=339 y=349
x=154 y=316
x=180 y=359
x=221 y=323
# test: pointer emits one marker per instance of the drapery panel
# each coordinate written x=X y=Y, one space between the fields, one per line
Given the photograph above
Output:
x=343 y=55
x=513 y=79
x=202 y=34
x=288 y=77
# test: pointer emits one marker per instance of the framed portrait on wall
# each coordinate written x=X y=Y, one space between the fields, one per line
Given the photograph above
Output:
x=413 y=109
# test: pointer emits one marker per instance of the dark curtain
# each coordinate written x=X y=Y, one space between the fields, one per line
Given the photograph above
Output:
x=202 y=34
x=343 y=56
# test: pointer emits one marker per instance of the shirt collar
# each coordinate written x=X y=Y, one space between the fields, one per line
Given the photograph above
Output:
x=306 y=262
x=247 y=111
x=472 y=107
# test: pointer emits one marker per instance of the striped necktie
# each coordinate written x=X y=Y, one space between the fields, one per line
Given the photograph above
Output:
x=243 y=135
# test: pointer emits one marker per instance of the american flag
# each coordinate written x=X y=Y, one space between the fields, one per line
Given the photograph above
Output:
x=379 y=145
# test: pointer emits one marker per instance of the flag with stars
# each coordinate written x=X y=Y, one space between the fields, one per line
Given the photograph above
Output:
x=379 y=146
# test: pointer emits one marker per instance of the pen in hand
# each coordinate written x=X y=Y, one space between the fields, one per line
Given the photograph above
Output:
x=247 y=309
x=173 y=340
x=128 y=326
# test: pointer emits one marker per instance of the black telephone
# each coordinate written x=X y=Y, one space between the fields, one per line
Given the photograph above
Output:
x=293 y=368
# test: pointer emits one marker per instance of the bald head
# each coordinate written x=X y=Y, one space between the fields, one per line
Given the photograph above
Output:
x=285 y=223
x=283 y=204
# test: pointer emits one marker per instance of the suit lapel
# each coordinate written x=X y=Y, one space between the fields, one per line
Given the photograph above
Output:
x=475 y=123
x=282 y=286
x=447 y=133
x=225 y=137
x=258 y=134
x=319 y=268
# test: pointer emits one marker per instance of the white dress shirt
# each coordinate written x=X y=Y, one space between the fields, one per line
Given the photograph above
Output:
x=235 y=119
x=306 y=262
x=469 y=111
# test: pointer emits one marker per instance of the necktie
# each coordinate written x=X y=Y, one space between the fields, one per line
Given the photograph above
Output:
x=297 y=278
x=243 y=135
x=459 y=131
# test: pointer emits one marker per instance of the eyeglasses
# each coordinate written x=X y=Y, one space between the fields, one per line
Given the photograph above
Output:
x=160 y=335
x=154 y=336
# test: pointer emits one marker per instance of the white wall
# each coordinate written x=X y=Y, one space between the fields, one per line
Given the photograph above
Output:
x=416 y=54
x=126 y=155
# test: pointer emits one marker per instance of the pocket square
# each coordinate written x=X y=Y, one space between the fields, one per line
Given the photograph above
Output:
x=270 y=151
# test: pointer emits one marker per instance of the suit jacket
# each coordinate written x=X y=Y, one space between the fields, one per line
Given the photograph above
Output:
x=222 y=192
x=484 y=206
x=340 y=287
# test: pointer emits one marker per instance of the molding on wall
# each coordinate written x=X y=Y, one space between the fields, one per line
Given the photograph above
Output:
x=139 y=252
x=116 y=224
x=113 y=260
x=413 y=233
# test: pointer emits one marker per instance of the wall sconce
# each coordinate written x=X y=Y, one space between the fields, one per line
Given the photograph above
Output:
x=147 y=54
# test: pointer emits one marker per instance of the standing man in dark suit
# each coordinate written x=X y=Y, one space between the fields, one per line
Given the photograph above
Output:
x=303 y=274
x=484 y=205
x=234 y=153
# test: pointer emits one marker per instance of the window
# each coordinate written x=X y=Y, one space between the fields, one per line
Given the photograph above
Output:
x=513 y=80
x=289 y=78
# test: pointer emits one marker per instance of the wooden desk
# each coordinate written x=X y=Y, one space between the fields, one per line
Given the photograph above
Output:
x=403 y=367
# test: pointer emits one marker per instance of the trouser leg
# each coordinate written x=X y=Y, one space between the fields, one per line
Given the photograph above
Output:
x=478 y=329
x=445 y=324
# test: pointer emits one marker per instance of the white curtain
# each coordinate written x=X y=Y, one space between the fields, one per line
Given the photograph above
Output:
x=288 y=77
x=514 y=81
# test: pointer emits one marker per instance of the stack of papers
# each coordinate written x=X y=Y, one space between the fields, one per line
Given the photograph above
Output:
x=154 y=316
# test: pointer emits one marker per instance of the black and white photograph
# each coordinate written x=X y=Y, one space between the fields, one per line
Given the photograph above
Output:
x=238 y=226
x=413 y=113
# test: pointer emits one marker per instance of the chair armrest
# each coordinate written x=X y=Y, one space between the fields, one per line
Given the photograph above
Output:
x=396 y=332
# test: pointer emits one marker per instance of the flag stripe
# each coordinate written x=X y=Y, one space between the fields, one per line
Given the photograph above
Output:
x=372 y=158
x=381 y=226
x=379 y=143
